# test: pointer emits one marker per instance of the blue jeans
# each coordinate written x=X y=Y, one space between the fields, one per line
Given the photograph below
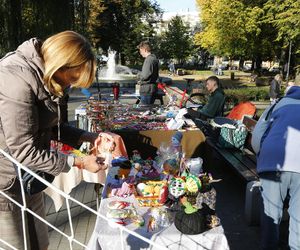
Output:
x=274 y=188
x=86 y=92
x=147 y=99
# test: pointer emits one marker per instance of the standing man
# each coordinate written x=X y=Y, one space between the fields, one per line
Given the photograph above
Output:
x=149 y=75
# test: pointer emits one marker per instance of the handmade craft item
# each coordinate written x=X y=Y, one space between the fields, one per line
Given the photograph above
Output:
x=118 y=213
x=192 y=183
x=126 y=190
x=163 y=194
x=171 y=166
x=148 y=193
x=119 y=204
x=176 y=141
x=190 y=220
x=177 y=187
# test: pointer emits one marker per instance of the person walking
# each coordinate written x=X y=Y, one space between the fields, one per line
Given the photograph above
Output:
x=171 y=67
x=279 y=170
x=33 y=87
x=149 y=74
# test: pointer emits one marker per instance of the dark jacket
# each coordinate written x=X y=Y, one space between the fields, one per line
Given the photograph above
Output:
x=214 y=105
x=29 y=113
x=274 y=89
x=149 y=75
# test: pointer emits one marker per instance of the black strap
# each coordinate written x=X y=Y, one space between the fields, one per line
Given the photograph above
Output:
x=272 y=108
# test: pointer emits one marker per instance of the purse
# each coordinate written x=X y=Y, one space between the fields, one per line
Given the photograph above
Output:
x=32 y=185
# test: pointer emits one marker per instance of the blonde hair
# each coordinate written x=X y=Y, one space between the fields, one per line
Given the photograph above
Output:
x=68 y=49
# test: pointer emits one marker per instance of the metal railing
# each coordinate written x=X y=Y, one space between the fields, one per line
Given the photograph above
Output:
x=71 y=236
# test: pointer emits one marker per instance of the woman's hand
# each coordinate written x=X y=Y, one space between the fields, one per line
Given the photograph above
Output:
x=90 y=163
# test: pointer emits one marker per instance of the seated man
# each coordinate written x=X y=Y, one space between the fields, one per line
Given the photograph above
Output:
x=215 y=104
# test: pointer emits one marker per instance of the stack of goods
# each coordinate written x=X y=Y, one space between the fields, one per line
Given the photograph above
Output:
x=171 y=185
x=150 y=193
x=108 y=116
x=121 y=211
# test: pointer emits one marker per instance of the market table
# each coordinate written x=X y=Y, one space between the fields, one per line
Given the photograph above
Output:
x=148 y=141
x=108 y=237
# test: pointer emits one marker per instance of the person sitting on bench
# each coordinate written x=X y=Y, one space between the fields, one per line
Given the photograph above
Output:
x=215 y=104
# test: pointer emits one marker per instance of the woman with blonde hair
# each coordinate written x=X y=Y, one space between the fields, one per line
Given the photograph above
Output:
x=33 y=83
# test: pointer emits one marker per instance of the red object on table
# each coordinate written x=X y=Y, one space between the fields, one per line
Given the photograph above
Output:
x=116 y=90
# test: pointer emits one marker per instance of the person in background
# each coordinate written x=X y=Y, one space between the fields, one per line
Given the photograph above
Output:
x=215 y=104
x=274 y=92
x=279 y=170
x=149 y=74
x=171 y=68
x=33 y=85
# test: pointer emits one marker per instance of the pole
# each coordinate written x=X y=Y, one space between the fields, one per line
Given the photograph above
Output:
x=289 y=60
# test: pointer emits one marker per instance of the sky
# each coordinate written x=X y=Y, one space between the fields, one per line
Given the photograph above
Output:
x=177 y=5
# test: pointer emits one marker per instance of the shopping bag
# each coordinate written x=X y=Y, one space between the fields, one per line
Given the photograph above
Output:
x=233 y=136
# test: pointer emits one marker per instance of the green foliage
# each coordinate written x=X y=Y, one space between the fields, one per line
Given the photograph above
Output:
x=250 y=30
x=284 y=15
x=247 y=94
x=176 y=42
x=123 y=24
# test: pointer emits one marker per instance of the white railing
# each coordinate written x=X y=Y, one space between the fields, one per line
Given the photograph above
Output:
x=71 y=237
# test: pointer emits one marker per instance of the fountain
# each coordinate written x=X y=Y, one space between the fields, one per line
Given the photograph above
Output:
x=115 y=76
x=114 y=72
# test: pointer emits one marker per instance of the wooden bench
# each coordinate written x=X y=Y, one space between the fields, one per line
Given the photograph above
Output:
x=243 y=162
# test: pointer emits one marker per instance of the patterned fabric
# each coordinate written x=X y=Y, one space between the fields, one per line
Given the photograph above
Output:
x=233 y=138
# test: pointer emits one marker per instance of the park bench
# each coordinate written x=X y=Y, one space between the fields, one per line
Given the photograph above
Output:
x=243 y=162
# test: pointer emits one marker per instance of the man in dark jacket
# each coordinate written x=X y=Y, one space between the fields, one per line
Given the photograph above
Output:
x=149 y=75
x=215 y=103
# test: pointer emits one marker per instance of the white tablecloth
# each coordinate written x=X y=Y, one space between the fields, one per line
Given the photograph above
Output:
x=107 y=238
x=67 y=181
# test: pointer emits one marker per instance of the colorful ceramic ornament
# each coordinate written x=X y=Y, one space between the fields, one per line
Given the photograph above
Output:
x=193 y=183
x=177 y=187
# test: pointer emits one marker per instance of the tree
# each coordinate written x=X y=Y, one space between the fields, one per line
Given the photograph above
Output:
x=235 y=28
x=122 y=24
x=284 y=17
x=176 y=41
